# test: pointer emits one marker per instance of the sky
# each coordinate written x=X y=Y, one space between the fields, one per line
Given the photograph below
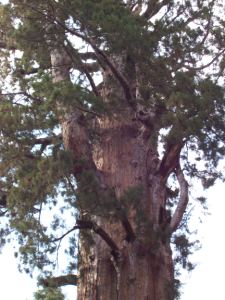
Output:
x=206 y=281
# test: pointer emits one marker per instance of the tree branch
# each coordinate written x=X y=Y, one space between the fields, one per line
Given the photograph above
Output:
x=183 y=201
x=86 y=224
x=59 y=281
x=3 y=45
x=46 y=140
x=170 y=159
x=206 y=65
x=3 y=199
x=153 y=7
x=101 y=55
x=89 y=67
x=102 y=233
x=130 y=235
x=83 y=68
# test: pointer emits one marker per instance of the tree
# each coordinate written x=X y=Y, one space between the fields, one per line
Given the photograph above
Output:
x=49 y=294
x=102 y=106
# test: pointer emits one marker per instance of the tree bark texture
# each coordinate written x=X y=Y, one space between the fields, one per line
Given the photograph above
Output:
x=143 y=268
x=137 y=263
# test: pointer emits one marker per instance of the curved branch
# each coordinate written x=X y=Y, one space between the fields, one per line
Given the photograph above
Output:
x=86 y=224
x=206 y=65
x=183 y=201
x=102 y=233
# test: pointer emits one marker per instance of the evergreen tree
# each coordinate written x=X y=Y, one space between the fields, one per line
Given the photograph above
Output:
x=49 y=294
x=108 y=110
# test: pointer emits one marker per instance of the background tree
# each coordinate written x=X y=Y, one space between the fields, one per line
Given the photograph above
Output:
x=49 y=294
x=107 y=111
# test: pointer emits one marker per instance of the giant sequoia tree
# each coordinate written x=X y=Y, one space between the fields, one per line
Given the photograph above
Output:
x=108 y=109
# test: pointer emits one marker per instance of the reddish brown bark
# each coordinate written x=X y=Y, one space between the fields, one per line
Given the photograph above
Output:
x=131 y=256
x=144 y=268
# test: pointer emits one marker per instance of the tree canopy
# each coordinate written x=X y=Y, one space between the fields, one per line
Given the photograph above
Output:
x=167 y=60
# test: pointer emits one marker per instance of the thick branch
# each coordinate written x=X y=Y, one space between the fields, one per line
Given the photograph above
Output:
x=83 y=67
x=46 y=140
x=170 y=159
x=4 y=45
x=87 y=55
x=183 y=201
x=130 y=235
x=3 y=199
x=102 y=233
x=101 y=56
x=59 y=281
x=153 y=7
x=3 y=203
x=86 y=224
x=89 y=67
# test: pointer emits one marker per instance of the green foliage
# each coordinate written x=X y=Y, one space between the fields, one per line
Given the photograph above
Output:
x=184 y=249
x=175 y=62
x=49 y=294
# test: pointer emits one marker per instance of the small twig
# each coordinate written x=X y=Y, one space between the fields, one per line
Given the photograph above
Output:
x=206 y=65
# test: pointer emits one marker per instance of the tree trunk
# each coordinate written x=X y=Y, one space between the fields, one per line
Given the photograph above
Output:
x=143 y=268
x=130 y=257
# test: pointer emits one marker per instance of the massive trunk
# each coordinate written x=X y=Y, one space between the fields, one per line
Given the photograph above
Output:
x=143 y=268
x=129 y=256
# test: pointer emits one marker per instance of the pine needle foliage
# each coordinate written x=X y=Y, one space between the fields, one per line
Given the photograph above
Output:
x=177 y=54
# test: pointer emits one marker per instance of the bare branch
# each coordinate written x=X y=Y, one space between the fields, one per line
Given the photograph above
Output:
x=3 y=203
x=4 y=45
x=83 y=67
x=183 y=201
x=102 y=233
x=46 y=140
x=153 y=7
x=86 y=224
x=67 y=233
x=170 y=159
x=206 y=65
x=3 y=199
x=101 y=56
x=87 y=55
x=89 y=67
x=59 y=281
x=130 y=235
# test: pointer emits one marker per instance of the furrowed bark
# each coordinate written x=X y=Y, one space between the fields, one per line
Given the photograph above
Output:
x=144 y=269
x=127 y=259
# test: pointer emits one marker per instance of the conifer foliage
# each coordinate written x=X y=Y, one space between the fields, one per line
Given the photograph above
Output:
x=108 y=110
